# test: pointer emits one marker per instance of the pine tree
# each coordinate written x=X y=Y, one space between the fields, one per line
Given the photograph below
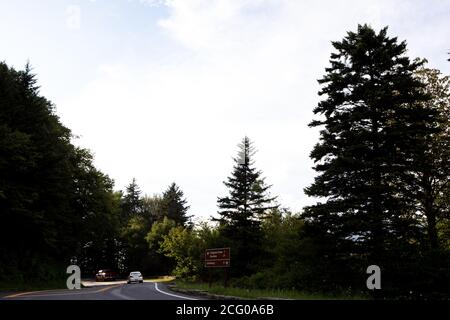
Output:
x=243 y=209
x=37 y=163
x=373 y=119
x=132 y=202
x=54 y=204
x=174 y=206
x=248 y=200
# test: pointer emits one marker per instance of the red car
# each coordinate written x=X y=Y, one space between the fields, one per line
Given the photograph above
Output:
x=105 y=275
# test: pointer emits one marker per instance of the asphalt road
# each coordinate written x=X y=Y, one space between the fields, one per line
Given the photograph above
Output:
x=137 y=291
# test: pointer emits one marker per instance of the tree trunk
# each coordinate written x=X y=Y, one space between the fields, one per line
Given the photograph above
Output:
x=430 y=212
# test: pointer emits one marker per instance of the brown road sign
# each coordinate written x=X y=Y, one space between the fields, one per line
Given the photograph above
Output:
x=218 y=257
x=217 y=263
x=220 y=253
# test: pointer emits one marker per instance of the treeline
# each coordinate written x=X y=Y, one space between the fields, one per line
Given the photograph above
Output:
x=382 y=187
x=125 y=246
x=382 y=190
x=57 y=208
x=52 y=199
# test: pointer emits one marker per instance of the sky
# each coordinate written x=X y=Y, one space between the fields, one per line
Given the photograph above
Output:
x=163 y=91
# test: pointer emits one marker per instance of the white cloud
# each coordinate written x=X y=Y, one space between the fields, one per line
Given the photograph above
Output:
x=235 y=68
x=73 y=17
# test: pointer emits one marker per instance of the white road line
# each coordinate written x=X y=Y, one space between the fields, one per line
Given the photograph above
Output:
x=171 y=294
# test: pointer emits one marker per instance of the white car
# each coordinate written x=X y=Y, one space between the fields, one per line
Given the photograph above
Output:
x=135 y=276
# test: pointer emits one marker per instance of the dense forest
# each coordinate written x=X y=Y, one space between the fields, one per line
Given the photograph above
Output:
x=382 y=188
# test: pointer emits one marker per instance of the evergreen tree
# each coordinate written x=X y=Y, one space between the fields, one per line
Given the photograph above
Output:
x=36 y=186
x=174 y=206
x=243 y=209
x=132 y=202
x=248 y=200
x=134 y=227
x=373 y=121
x=53 y=202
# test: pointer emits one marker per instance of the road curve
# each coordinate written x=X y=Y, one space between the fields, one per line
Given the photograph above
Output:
x=138 y=291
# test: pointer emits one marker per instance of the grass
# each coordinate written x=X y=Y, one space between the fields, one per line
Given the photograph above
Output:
x=160 y=279
x=260 y=293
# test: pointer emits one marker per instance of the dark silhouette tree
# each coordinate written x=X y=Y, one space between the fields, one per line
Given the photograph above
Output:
x=243 y=209
x=373 y=122
x=132 y=203
x=53 y=201
x=174 y=206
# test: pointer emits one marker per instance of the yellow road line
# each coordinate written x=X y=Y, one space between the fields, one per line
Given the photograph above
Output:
x=32 y=293
x=25 y=293
x=107 y=288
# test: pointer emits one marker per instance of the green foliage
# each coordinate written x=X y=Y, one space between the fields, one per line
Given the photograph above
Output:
x=183 y=246
x=187 y=247
x=152 y=208
x=159 y=229
x=248 y=199
x=100 y=221
x=383 y=172
x=284 y=250
x=160 y=263
x=144 y=224
x=374 y=123
x=174 y=206
x=246 y=293
x=53 y=202
x=242 y=210
x=432 y=184
x=132 y=205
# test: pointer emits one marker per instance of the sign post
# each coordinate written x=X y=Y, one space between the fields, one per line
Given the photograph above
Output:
x=218 y=258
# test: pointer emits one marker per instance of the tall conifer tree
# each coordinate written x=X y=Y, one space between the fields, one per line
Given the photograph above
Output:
x=372 y=119
x=242 y=210
x=174 y=206
x=132 y=202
